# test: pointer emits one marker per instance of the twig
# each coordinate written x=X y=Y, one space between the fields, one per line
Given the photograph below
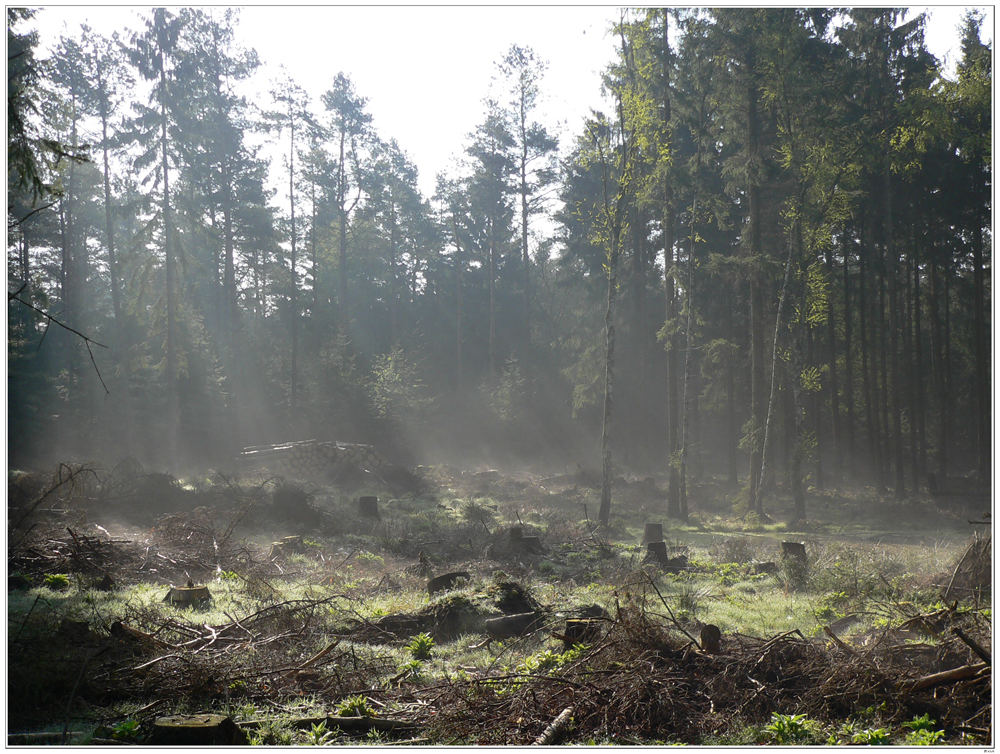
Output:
x=672 y=617
x=76 y=685
x=28 y=615
x=320 y=655
x=87 y=340
x=555 y=728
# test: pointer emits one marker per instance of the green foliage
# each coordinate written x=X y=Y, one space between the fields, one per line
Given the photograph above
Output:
x=355 y=706
x=318 y=735
x=790 y=729
x=57 y=582
x=227 y=576
x=421 y=646
x=396 y=388
x=872 y=737
x=924 y=737
x=548 y=660
x=126 y=730
x=922 y=731
x=272 y=733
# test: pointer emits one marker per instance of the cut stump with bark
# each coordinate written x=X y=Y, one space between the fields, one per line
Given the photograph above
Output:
x=794 y=551
x=652 y=533
x=197 y=730
x=188 y=596
x=711 y=639
x=509 y=626
x=368 y=506
x=446 y=581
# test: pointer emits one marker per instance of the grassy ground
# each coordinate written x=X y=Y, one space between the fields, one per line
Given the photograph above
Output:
x=873 y=564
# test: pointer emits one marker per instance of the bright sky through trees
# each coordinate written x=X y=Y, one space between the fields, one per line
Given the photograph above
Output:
x=426 y=70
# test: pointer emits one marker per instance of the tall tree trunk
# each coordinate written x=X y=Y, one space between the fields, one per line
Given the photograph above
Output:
x=607 y=469
x=848 y=351
x=896 y=391
x=831 y=334
x=670 y=293
x=345 y=311
x=293 y=321
x=459 y=265
x=921 y=405
x=757 y=373
x=491 y=271
x=525 y=258
x=173 y=388
x=981 y=356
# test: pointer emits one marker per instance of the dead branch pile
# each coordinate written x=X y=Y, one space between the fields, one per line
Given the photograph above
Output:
x=278 y=652
x=643 y=682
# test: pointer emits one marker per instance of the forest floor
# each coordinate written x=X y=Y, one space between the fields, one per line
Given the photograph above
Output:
x=323 y=626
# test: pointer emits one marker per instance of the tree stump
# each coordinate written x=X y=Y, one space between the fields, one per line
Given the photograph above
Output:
x=652 y=533
x=711 y=638
x=766 y=567
x=508 y=626
x=656 y=551
x=286 y=546
x=582 y=630
x=445 y=581
x=794 y=551
x=368 y=506
x=532 y=544
x=197 y=730
x=188 y=596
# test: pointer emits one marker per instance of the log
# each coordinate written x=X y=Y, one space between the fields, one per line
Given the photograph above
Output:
x=946 y=676
x=346 y=724
x=445 y=581
x=508 y=626
x=555 y=729
x=652 y=533
x=197 y=730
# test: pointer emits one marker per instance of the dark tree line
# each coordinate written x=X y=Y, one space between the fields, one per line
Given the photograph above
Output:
x=771 y=259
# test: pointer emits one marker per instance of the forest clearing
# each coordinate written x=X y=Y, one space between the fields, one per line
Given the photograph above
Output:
x=647 y=401
x=342 y=630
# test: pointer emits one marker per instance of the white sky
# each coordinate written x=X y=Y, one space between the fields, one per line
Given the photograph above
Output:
x=426 y=70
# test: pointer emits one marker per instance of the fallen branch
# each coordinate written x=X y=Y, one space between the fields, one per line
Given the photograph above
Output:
x=320 y=655
x=946 y=676
x=973 y=645
x=555 y=729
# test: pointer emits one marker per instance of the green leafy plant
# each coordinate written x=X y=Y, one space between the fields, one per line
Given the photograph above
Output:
x=412 y=670
x=872 y=737
x=318 y=735
x=272 y=733
x=922 y=731
x=228 y=576
x=421 y=646
x=355 y=706
x=126 y=730
x=789 y=729
x=57 y=582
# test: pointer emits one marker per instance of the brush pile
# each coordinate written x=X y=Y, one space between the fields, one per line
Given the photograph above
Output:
x=646 y=682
